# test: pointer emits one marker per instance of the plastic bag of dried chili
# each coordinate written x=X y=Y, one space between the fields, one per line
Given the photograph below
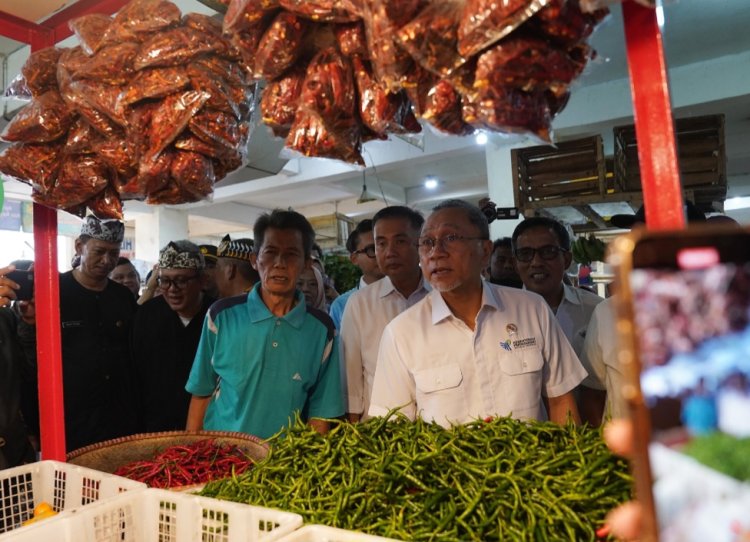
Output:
x=90 y=29
x=45 y=118
x=246 y=42
x=392 y=65
x=77 y=100
x=510 y=110
x=121 y=154
x=280 y=46
x=220 y=96
x=312 y=135
x=484 y=22
x=194 y=174
x=153 y=83
x=40 y=70
x=242 y=15
x=189 y=142
x=279 y=101
x=527 y=63
x=170 y=118
x=81 y=138
x=153 y=175
x=219 y=128
x=564 y=22
x=81 y=177
x=213 y=27
x=351 y=39
x=329 y=87
x=70 y=62
x=174 y=47
x=33 y=163
x=321 y=11
x=112 y=64
x=381 y=111
x=106 y=204
x=139 y=19
x=431 y=38
x=442 y=109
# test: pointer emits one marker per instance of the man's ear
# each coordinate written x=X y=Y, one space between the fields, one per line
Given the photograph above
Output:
x=486 y=252
x=568 y=258
x=254 y=260
x=79 y=246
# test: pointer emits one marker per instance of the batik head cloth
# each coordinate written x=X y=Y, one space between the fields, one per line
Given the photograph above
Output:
x=239 y=249
x=173 y=256
x=111 y=231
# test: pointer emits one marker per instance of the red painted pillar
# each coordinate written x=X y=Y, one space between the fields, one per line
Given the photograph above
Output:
x=654 y=126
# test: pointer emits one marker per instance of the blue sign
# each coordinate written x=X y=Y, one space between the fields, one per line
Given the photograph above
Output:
x=10 y=217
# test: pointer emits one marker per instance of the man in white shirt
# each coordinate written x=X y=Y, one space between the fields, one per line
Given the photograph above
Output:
x=541 y=247
x=472 y=349
x=370 y=309
x=361 y=247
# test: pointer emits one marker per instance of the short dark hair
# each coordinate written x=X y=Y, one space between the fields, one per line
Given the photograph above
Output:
x=506 y=242
x=284 y=220
x=473 y=213
x=352 y=241
x=415 y=218
x=563 y=237
x=123 y=261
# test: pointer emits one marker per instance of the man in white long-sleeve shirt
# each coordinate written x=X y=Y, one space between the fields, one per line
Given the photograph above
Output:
x=370 y=309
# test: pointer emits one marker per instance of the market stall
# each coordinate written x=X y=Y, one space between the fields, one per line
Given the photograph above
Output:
x=342 y=137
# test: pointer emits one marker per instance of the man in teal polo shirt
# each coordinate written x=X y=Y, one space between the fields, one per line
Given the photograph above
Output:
x=265 y=355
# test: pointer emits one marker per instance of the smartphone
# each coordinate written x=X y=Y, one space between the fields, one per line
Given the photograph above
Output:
x=683 y=319
x=25 y=279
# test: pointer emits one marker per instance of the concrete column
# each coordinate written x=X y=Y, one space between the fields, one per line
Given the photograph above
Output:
x=154 y=230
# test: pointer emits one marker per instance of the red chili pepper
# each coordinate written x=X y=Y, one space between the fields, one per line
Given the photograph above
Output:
x=603 y=531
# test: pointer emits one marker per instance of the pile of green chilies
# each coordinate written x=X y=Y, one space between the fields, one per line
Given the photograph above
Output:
x=496 y=480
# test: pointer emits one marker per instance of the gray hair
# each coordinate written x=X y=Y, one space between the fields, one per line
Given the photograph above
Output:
x=473 y=213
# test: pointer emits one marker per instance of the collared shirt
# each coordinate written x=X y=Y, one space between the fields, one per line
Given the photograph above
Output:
x=367 y=313
x=599 y=358
x=336 y=311
x=261 y=369
x=433 y=365
x=574 y=312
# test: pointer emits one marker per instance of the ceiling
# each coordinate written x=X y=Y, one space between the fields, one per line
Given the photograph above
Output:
x=706 y=43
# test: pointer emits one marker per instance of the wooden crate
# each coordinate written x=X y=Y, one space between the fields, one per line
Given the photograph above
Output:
x=572 y=168
x=701 y=155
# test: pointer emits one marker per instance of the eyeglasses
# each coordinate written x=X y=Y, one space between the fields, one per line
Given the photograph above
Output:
x=547 y=252
x=178 y=282
x=448 y=243
x=369 y=251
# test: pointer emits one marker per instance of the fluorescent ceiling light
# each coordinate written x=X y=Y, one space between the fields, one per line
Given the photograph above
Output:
x=732 y=204
x=481 y=138
x=430 y=182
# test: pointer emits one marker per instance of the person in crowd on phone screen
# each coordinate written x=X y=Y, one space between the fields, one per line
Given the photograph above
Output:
x=472 y=349
x=235 y=274
x=15 y=447
x=166 y=331
x=361 y=247
x=266 y=356
x=126 y=274
x=368 y=311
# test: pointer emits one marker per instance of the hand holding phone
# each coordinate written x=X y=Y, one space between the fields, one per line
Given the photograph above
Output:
x=684 y=320
x=25 y=282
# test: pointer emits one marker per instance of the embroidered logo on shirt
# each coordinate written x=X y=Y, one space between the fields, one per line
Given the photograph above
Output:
x=297 y=376
x=506 y=345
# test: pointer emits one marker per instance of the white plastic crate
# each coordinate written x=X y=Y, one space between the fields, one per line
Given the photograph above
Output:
x=157 y=515
x=65 y=487
x=321 y=533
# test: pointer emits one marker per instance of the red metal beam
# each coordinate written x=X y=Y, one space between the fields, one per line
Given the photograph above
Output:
x=654 y=126
x=58 y=23
x=19 y=29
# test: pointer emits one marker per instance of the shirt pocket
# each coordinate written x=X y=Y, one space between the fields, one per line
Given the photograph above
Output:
x=440 y=394
x=528 y=360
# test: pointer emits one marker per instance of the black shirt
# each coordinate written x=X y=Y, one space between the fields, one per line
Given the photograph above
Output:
x=97 y=373
x=163 y=352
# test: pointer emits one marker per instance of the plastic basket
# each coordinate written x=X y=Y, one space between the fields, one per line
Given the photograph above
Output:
x=158 y=515
x=63 y=486
x=321 y=533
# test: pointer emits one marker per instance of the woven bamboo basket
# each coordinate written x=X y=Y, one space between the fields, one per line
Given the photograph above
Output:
x=110 y=455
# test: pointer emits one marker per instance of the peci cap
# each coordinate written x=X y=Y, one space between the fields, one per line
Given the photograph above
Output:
x=180 y=255
x=628 y=221
x=209 y=254
x=239 y=249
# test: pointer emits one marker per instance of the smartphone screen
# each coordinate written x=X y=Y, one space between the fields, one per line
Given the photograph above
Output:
x=25 y=281
x=690 y=299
